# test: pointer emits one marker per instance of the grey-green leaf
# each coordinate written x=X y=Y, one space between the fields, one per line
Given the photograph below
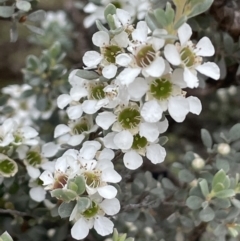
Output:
x=86 y=74
x=206 y=138
x=206 y=214
x=235 y=132
x=65 y=209
x=83 y=204
x=225 y=193
x=194 y=202
x=37 y=16
x=204 y=187
x=6 y=237
x=185 y=176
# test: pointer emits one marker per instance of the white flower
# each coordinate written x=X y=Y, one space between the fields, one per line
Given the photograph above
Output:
x=94 y=217
x=140 y=145
x=188 y=55
x=76 y=130
x=6 y=132
x=110 y=49
x=164 y=94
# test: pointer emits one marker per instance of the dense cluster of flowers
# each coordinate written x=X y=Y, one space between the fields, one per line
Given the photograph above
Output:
x=118 y=103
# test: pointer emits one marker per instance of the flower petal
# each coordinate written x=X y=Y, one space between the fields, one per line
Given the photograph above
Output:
x=74 y=112
x=156 y=153
x=195 y=105
x=110 y=206
x=103 y=225
x=132 y=160
x=105 y=119
x=172 y=55
x=109 y=71
x=151 y=111
x=149 y=131
x=178 y=108
x=100 y=38
x=108 y=140
x=92 y=58
x=123 y=59
x=156 y=68
x=128 y=75
x=37 y=194
x=49 y=149
x=138 y=88
x=90 y=106
x=184 y=33
x=63 y=100
x=107 y=191
x=190 y=78
x=60 y=130
x=123 y=140
x=209 y=69
x=204 y=47
x=110 y=175
x=80 y=229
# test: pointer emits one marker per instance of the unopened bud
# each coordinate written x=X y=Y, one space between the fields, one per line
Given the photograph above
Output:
x=198 y=163
x=223 y=149
x=193 y=183
x=51 y=232
x=148 y=230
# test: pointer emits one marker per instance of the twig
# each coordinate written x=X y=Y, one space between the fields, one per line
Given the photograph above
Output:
x=16 y=213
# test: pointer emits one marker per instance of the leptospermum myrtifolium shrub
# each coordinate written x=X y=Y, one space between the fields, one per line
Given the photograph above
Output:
x=71 y=152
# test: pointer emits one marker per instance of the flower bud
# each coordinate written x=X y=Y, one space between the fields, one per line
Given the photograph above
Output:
x=223 y=148
x=198 y=163
x=51 y=232
x=148 y=231
x=193 y=183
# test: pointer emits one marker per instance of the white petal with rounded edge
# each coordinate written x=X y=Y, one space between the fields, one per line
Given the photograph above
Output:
x=106 y=154
x=75 y=140
x=157 y=42
x=88 y=152
x=123 y=59
x=138 y=88
x=105 y=119
x=195 y=105
x=128 y=75
x=123 y=16
x=110 y=206
x=77 y=92
x=80 y=229
x=172 y=55
x=162 y=126
x=103 y=225
x=49 y=149
x=108 y=140
x=107 y=192
x=140 y=33
x=178 y=108
x=184 y=33
x=109 y=71
x=90 y=106
x=204 y=47
x=132 y=160
x=123 y=140
x=33 y=172
x=47 y=177
x=29 y=132
x=149 y=131
x=156 y=68
x=121 y=39
x=151 y=111
x=177 y=78
x=37 y=194
x=60 y=130
x=92 y=58
x=209 y=69
x=190 y=78
x=110 y=175
x=74 y=112
x=63 y=100
x=100 y=38
x=156 y=153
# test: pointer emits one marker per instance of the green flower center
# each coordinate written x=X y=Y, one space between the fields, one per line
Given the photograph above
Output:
x=92 y=179
x=145 y=56
x=97 y=92
x=117 y=4
x=161 y=88
x=18 y=138
x=80 y=127
x=92 y=211
x=129 y=118
x=139 y=142
x=7 y=167
x=187 y=56
x=33 y=158
x=110 y=53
